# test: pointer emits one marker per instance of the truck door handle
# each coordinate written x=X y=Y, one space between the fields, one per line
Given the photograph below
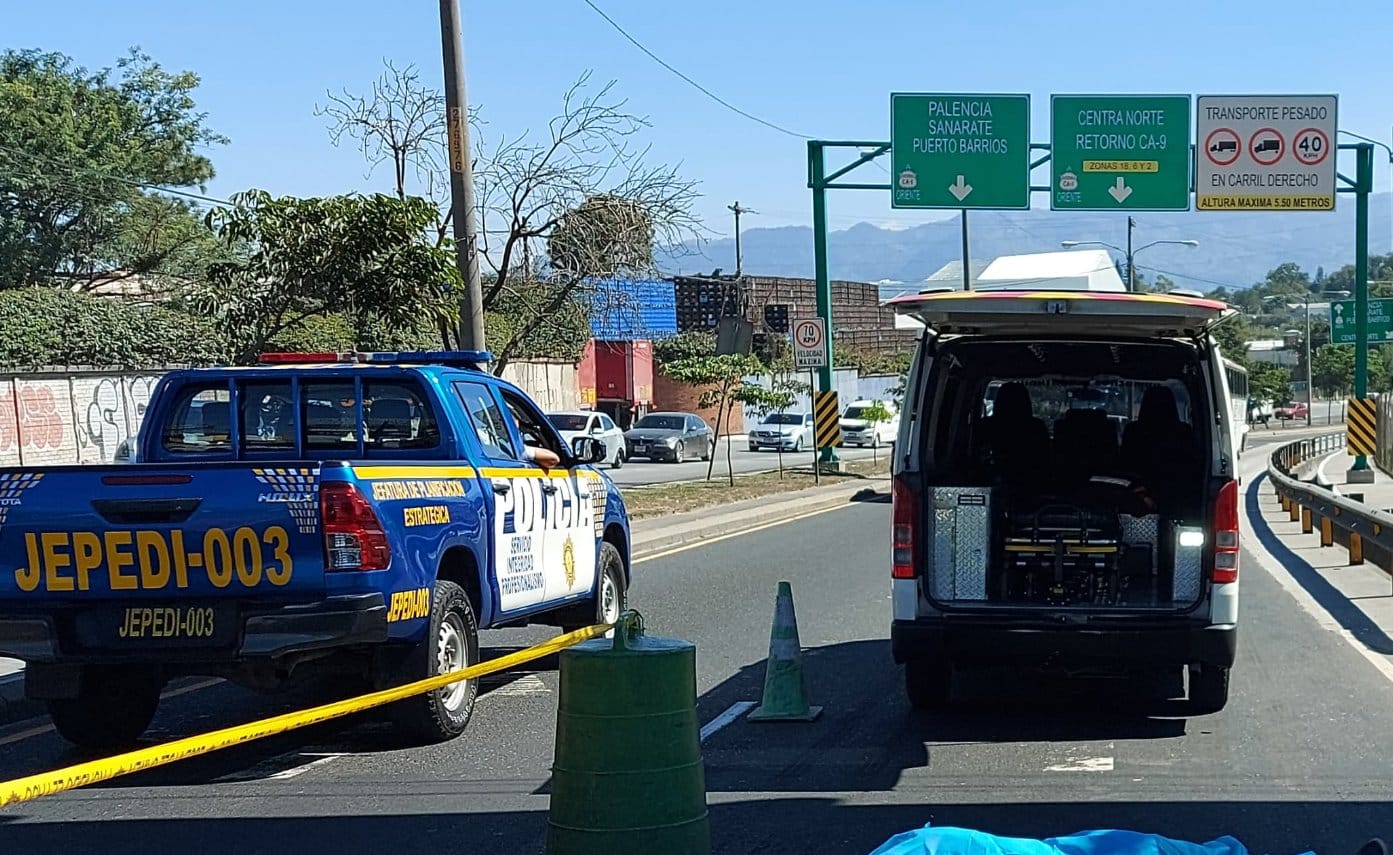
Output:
x=146 y=511
x=501 y=488
x=549 y=489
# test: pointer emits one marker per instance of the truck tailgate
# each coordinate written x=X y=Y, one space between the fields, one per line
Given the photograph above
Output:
x=159 y=535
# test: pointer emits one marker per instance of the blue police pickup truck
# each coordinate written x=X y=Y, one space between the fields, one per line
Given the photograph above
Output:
x=359 y=516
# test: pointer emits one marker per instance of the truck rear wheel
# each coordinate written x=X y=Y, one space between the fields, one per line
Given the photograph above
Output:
x=113 y=707
x=452 y=643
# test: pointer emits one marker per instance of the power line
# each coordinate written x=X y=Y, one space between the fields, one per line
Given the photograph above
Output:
x=707 y=92
x=143 y=185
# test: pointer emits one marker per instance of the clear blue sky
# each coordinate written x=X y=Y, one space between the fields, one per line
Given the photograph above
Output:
x=813 y=66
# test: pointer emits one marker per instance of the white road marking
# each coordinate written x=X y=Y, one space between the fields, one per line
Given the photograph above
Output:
x=1335 y=488
x=525 y=686
x=274 y=768
x=1083 y=764
x=736 y=710
x=710 y=540
x=1308 y=603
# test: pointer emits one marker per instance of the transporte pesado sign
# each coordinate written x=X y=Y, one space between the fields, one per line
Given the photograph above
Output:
x=1265 y=152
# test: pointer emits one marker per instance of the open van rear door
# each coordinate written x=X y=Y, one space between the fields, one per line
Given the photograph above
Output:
x=1081 y=313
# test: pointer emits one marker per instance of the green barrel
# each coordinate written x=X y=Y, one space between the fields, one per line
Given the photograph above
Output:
x=628 y=774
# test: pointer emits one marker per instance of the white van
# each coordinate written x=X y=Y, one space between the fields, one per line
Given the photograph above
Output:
x=1065 y=490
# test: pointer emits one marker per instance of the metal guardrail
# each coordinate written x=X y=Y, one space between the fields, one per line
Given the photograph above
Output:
x=1339 y=520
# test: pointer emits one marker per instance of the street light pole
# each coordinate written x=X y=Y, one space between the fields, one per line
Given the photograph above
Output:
x=1131 y=265
x=471 y=304
x=1310 y=390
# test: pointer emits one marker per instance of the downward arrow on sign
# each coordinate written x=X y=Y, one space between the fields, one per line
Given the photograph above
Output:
x=1120 y=191
x=960 y=190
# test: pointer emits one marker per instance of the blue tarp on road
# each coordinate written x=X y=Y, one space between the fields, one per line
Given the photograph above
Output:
x=961 y=841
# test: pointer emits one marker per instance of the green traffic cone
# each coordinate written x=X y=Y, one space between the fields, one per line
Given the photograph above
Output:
x=785 y=690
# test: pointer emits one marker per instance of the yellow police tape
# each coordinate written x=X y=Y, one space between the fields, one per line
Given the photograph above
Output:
x=83 y=774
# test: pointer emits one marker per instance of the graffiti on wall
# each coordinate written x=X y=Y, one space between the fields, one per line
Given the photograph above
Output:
x=109 y=411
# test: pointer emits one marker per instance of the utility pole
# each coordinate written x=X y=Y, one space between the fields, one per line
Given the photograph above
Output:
x=1310 y=391
x=471 y=304
x=1131 y=266
x=739 y=260
x=967 y=264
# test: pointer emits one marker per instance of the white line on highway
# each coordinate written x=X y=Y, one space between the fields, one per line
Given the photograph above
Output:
x=1083 y=764
x=48 y=728
x=274 y=769
x=736 y=710
x=1321 y=472
x=521 y=687
x=1308 y=603
x=320 y=760
x=710 y=540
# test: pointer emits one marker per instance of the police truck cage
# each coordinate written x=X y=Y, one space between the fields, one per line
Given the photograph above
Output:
x=450 y=358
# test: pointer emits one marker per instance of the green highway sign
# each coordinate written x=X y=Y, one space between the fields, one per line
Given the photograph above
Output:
x=1120 y=153
x=960 y=151
x=1380 y=329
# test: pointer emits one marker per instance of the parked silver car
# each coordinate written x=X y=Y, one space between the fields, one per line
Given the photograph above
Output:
x=784 y=431
x=673 y=437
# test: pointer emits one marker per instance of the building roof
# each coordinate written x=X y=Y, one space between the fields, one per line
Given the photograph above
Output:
x=1089 y=269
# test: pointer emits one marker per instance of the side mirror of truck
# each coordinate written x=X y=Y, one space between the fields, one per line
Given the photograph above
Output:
x=587 y=449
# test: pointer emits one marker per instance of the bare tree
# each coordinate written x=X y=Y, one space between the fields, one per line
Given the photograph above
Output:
x=560 y=212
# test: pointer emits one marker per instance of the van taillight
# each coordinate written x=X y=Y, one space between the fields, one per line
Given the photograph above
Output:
x=1226 y=534
x=353 y=535
x=906 y=516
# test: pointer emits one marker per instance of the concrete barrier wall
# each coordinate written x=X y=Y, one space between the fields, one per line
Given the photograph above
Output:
x=1383 y=456
x=82 y=417
x=48 y=419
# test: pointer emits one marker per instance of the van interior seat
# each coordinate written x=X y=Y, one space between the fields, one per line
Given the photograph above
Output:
x=1085 y=444
x=1161 y=449
x=1016 y=442
x=217 y=419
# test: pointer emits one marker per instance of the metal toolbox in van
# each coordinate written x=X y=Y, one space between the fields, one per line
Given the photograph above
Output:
x=960 y=532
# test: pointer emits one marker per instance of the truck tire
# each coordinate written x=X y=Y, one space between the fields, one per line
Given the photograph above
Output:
x=114 y=706
x=451 y=643
x=928 y=683
x=611 y=595
x=1209 y=689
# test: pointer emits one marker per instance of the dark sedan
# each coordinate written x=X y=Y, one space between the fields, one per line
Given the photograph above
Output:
x=674 y=437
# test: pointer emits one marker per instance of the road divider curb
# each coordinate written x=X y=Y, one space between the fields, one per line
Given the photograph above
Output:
x=95 y=771
x=656 y=535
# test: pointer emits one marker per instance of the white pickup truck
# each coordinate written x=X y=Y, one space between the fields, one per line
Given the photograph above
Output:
x=1260 y=413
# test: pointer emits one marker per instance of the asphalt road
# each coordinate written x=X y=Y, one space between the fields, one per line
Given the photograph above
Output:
x=642 y=473
x=1298 y=760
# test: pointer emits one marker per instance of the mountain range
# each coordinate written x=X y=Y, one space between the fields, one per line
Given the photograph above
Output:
x=1236 y=249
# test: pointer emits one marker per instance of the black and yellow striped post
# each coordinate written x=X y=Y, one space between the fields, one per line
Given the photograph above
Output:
x=1361 y=430
x=827 y=420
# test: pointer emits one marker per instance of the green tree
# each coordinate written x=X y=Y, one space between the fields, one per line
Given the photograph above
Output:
x=364 y=257
x=78 y=152
x=1233 y=336
x=684 y=345
x=876 y=413
x=1332 y=368
x=782 y=393
x=723 y=377
x=56 y=328
x=1270 y=384
x=561 y=213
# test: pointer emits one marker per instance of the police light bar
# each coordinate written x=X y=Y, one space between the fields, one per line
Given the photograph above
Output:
x=302 y=358
x=459 y=358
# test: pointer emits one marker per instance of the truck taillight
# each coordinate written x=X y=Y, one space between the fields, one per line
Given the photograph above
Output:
x=1226 y=534
x=353 y=535
x=906 y=515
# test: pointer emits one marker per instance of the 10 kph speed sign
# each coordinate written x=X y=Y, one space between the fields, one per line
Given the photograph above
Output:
x=809 y=343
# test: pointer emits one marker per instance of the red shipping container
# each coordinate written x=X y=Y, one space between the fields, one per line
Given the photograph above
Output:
x=585 y=375
x=624 y=371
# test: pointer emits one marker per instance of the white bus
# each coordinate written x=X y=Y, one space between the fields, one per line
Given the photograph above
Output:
x=1236 y=378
